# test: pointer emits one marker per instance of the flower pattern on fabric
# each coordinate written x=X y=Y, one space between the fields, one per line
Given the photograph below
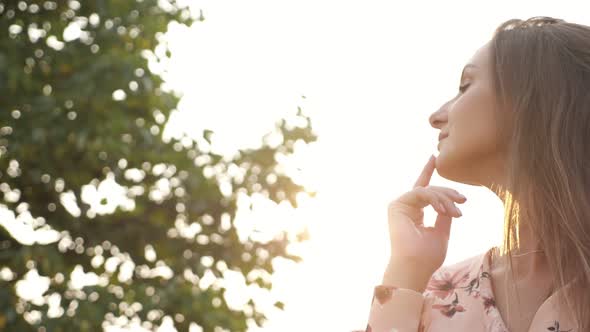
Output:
x=444 y=285
x=456 y=298
x=451 y=309
x=488 y=303
x=383 y=293
x=473 y=287
x=447 y=283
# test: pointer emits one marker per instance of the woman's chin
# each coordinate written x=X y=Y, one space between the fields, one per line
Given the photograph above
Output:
x=451 y=169
x=443 y=166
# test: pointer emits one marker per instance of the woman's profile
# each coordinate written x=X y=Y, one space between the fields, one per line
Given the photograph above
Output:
x=520 y=126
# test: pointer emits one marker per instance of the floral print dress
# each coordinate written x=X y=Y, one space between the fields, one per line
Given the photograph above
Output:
x=458 y=297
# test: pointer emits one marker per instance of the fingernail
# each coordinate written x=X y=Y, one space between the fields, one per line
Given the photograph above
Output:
x=458 y=211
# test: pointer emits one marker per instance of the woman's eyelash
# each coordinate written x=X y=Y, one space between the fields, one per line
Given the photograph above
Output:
x=462 y=88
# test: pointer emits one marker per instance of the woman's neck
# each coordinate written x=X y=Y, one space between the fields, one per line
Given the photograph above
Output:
x=529 y=260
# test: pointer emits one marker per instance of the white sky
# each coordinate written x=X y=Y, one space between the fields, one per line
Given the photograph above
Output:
x=372 y=72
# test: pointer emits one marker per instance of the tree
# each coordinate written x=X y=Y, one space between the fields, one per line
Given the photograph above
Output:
x=81 y=111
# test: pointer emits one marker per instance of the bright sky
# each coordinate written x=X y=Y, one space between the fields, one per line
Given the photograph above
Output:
x=371 y=73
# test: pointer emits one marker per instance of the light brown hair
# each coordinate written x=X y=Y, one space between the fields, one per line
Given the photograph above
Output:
x=541 y=72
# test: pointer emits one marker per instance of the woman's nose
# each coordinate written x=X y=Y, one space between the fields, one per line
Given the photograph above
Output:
x=437 y=118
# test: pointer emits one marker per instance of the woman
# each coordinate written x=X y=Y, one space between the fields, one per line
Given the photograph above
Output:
x=520 y=126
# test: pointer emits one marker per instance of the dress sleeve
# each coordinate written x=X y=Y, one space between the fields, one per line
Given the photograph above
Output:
x=395 y=309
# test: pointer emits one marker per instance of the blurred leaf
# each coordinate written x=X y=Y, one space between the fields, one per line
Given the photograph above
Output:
x=60 y=123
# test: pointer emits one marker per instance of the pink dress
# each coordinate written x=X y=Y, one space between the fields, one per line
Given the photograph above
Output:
x=458 y=297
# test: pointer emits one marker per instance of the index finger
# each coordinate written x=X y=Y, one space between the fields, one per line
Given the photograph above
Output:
x=424 y=178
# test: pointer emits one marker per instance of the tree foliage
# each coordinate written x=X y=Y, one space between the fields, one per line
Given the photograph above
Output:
x=81 y=112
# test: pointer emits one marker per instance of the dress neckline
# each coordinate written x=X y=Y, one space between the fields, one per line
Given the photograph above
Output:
x=495 y=321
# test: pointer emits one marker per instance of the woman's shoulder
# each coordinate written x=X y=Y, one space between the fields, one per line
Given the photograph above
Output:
x=460 y=291
x=471 y=265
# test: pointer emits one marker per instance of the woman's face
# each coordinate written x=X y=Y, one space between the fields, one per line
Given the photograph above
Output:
x=472 y=152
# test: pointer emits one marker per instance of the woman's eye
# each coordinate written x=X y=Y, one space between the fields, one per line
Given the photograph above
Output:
x=463 y=88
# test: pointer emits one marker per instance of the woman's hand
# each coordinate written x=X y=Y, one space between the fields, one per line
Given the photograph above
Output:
x=418 y=251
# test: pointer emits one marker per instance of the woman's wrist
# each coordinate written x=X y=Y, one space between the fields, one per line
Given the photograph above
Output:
x=402 y=276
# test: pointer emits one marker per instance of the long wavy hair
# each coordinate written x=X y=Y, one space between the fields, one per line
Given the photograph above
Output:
x=541 y=72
